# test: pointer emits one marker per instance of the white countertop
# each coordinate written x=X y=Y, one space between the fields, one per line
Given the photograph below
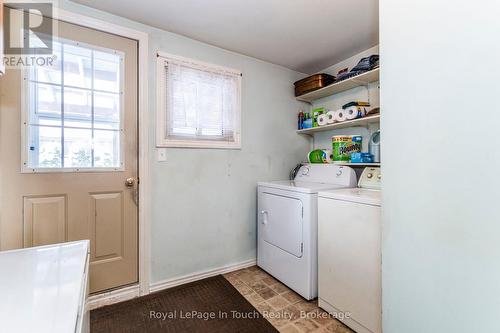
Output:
x=40 y=287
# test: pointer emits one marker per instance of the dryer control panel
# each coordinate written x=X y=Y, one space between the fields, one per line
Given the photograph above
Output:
x=327 y=174
x=370 y=178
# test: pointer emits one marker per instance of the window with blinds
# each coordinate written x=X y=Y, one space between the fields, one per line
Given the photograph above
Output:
x=199 y=104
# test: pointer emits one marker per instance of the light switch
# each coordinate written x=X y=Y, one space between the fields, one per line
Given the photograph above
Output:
x=162 y=155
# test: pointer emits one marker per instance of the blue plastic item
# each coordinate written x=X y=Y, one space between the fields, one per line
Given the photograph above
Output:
x=361 y=158
x=308 y=123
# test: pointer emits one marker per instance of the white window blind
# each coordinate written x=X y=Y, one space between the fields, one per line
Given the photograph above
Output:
x=200 y=104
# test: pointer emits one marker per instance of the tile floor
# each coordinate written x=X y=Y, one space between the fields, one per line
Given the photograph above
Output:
x=283 y=306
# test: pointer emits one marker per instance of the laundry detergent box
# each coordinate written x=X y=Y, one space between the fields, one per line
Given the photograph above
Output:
x=344 y=145
x=361 y=158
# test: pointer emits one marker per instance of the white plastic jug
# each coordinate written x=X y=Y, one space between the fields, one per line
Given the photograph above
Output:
x=374 y=146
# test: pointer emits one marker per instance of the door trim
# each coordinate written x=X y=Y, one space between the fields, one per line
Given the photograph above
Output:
x=143 y=127
x=121 y=294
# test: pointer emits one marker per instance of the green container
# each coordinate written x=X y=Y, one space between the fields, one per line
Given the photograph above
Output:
x=319 y=156
x=344 y=146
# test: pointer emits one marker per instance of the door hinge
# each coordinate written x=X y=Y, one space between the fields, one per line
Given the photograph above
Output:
x=302 y=211
x=301 y=247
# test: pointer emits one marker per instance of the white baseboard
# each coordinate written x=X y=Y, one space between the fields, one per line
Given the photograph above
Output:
x=112 y=297
x=126 y=293
x=169 y=283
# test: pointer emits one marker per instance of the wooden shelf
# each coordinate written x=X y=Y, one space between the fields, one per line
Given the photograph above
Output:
x=360 y=122
x=335 y=88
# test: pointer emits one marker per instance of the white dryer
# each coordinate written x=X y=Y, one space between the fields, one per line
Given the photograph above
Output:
x=287 y=224
x=349 y=245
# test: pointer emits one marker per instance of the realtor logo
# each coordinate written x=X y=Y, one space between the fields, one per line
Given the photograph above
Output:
x=28 y=33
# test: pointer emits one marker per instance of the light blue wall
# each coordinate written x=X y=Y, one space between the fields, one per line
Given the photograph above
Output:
x=204 y=201
x=441 y=226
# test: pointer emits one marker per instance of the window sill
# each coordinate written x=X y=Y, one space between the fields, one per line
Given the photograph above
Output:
x=71 y=170
x=198 y=144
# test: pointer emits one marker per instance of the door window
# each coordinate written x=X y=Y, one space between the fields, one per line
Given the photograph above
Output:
x=73 y=111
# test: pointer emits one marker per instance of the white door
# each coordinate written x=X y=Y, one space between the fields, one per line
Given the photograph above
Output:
x=68 y=144
x=349 y=259
x=281 y=221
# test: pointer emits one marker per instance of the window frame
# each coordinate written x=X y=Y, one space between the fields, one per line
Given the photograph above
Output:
x=162 y=141
x=25 y=116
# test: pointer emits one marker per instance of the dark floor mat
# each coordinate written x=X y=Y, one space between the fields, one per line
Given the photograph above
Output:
x=223 y=307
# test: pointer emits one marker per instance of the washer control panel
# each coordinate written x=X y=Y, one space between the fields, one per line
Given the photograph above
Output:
x=370 y=178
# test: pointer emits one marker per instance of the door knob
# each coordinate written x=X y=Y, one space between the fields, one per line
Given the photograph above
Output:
x=130 y=182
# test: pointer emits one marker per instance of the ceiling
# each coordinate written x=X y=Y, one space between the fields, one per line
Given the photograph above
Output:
x=303 y=35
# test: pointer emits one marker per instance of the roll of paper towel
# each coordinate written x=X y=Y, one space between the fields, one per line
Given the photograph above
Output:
x=354 y=112
x=340 y=115
x=330 y=117
x=322 y=120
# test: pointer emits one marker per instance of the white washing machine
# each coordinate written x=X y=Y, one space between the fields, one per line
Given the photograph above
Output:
x=287 y=224
x=349 y=261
